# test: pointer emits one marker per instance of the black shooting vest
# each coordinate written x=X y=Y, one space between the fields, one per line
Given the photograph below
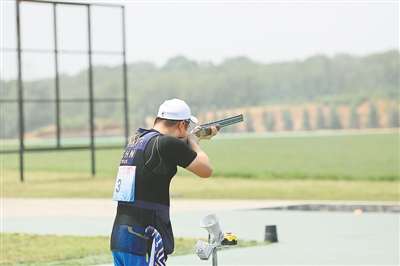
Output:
x=141 y=213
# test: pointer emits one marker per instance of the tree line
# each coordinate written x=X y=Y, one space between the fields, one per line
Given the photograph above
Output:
x=235 y=83
x=322 y=117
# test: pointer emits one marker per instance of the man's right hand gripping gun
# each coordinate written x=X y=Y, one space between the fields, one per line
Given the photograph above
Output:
x=205 y=129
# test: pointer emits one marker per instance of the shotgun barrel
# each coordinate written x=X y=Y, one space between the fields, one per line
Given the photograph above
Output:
x=205 y=129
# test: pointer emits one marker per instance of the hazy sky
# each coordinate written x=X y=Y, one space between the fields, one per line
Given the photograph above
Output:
x=264 y=31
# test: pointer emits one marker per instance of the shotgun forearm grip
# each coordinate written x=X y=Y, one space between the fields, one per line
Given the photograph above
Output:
x=204 y=131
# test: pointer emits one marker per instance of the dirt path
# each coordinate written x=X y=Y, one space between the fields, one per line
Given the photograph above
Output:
x=27 y=207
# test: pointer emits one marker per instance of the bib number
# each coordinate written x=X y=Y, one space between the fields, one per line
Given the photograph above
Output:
x=124 y=189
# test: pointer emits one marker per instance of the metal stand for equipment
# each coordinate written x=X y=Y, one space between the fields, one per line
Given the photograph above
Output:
x=216 y=239
x=214 y=257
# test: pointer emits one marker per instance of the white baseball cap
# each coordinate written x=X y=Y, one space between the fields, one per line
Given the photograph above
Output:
x=176 y=109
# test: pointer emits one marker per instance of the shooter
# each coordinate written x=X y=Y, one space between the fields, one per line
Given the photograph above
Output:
x=142 y=232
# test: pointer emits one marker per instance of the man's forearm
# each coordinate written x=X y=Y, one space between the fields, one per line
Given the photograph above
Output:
x=201 y=165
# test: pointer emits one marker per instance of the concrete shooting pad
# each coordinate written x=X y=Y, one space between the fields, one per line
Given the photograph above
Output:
x=304 y=237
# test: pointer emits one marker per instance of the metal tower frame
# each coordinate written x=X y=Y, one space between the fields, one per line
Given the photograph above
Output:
x=20 y=100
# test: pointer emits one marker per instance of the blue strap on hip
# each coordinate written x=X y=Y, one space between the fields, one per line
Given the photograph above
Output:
x=131 y=239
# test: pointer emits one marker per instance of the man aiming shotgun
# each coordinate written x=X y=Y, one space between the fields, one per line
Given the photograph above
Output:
x=142 y=231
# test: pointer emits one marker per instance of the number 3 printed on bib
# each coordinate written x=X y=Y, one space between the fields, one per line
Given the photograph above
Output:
x=124 y=189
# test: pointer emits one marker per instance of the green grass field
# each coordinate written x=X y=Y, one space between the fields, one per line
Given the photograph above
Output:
x=351 y=157
x=352 y=167
x=27 y=249
x=343 y=157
